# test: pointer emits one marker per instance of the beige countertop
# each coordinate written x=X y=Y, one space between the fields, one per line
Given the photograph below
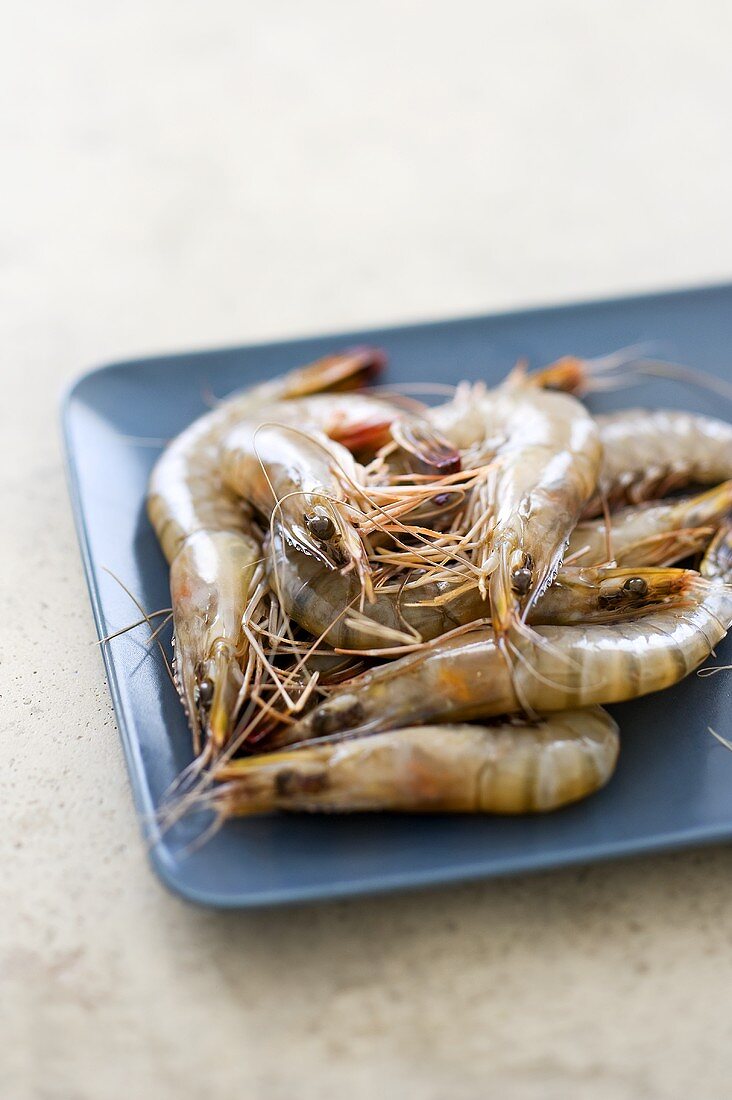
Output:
x=178 y=175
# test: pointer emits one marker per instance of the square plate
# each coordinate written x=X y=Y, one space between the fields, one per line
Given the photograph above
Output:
x=673 y=786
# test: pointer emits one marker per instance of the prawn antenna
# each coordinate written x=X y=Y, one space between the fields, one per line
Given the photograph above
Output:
x=145 y=618
x=722 y=740
x=691 y=376
x=185 y=780
x=167 y=611
x=157 y=443
x=712 y=670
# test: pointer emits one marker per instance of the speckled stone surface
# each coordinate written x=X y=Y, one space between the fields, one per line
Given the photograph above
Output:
x=179 y=175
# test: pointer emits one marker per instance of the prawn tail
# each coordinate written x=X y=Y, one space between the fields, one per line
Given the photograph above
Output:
x=573 y=374
x=351 y=369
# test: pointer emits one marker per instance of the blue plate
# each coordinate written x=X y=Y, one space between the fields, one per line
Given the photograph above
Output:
x=673 y=786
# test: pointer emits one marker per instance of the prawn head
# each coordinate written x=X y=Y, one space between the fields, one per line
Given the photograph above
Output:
x=210 y=579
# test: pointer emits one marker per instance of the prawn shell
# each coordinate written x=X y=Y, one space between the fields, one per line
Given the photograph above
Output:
x=653 y=533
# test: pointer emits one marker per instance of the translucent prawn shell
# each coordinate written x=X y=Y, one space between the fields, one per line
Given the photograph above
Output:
x=210 y=579
x=658 y=533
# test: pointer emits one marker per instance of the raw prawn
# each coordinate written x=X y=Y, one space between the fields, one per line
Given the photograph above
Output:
x=553 y=668
x=206 y=536
x=294 y=461
x=500 y=769
x=648 y=453
x=545 y=454
x=654 y=534
x=325 y=604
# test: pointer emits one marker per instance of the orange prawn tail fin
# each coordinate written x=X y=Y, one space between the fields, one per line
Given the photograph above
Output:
x=568 y=374
x=351 y=369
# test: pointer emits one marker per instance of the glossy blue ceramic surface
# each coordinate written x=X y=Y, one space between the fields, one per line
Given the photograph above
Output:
x=673 y=786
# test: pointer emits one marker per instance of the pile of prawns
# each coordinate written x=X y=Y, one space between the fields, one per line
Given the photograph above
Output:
x=379 y=605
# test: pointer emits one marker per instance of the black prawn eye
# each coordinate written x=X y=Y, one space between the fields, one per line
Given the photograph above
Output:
x=636 y=586
x=321 y=527
x=205 y=691
x=521 y=580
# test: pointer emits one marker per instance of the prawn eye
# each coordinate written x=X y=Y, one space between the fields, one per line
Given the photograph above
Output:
x=342 y=714
x=321 y=527
x=205 y=691
x=521 y=580
x=636 y=586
